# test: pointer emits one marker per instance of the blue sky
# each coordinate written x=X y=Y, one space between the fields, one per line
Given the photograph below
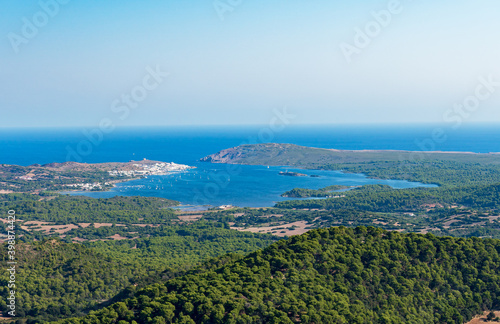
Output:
x=262 y=55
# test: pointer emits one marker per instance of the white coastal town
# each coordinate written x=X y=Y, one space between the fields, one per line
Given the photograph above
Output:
x=89 y=186
x=161 y=168
x=131 y=170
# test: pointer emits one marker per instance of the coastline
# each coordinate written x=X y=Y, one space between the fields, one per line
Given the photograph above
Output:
x=69 y=177
x=113 y=182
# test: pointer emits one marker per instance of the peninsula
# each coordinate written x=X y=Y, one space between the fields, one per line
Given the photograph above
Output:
x=295 y=155
x=442 y=168
x=82 y=176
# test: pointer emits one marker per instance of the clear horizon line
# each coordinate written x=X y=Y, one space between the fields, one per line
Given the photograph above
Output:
x=494 y=123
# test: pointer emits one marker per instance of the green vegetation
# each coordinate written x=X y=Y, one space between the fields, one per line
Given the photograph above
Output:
x=441 y=172
x=385 y=199
x=38 y=178
x=72 y=209
x=466 y=203
x=335 y=275
x=442 y=221
x=461 y=211
x=51 y=177
x=183 y=246
x=155 y=266
x=306 y=193
x=427 y=167
x=58 y=279
x=492 y=317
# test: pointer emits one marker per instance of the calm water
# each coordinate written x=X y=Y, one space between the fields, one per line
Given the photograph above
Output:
x=210 y=183
x=249 y=186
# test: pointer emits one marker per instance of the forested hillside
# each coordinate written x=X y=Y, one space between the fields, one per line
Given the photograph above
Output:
x=335 y=275
x=58 y=279
x=385 y=199
x=67 y=209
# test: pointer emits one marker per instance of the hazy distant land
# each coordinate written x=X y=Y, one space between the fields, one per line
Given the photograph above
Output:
x=295 y=155
x=443 y=168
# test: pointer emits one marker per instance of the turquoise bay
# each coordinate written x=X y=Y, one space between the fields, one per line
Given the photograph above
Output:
x=209 y=183
x=243 y=185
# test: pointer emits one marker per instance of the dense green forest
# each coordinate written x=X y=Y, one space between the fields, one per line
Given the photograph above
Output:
x=306 y=193
x=58 y=279
x=335 y=275
x=441 y=172
x=63 y=209
x=385 y=199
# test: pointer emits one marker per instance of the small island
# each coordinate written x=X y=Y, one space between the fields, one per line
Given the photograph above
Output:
x=292 y=174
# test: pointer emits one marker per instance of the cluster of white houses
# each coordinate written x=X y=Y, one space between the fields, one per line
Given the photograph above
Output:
x=88 y=186
x=151 y=169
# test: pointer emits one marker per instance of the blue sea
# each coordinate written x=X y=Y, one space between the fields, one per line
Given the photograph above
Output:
x=217 y=184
